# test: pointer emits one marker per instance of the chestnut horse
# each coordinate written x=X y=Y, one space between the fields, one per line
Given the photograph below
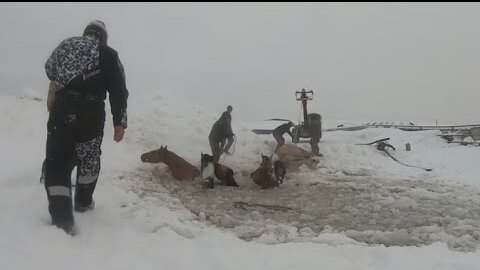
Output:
x=222 y=172
x=263 y=175
x=180 y=168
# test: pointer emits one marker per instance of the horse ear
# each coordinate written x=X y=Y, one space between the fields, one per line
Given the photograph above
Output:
x=165 y=147
x=161 y=147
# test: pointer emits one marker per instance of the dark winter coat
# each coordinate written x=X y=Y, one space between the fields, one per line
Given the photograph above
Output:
x=85 y=70
x=282 y=129
x=222 y=128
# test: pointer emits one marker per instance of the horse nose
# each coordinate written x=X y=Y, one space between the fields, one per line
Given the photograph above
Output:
x=144 y=159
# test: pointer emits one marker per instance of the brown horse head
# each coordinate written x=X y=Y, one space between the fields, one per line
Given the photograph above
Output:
x=179 y=167
x=155 y=156
x=205 y=159
x=263 y=175
x=222 y=172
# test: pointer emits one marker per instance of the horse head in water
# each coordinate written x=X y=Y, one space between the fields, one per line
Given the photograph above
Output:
x=205 y=159
x=180 y=168
x=263 y=175
x=155 y=156
x=222 y=172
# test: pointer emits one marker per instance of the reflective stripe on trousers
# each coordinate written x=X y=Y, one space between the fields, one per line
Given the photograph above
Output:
x=59 y=191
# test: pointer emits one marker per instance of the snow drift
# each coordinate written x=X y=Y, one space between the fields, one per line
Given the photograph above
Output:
x=358 y=208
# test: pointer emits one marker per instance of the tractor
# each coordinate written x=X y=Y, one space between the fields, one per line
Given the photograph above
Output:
x=311 y=125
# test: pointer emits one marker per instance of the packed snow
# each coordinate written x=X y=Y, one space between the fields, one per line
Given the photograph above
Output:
x=358 y=209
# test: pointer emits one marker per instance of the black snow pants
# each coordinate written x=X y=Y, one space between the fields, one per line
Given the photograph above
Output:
x=216 y=150
x=75 y=133
x=314 y=145
x=280 y=140
x=229 y=141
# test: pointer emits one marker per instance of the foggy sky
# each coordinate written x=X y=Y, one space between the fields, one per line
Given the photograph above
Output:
x=367 y=61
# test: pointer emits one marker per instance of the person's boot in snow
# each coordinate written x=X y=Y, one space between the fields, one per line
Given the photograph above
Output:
x=67 y=227
x=316 y=150
x=83 y=208
x=64 y=216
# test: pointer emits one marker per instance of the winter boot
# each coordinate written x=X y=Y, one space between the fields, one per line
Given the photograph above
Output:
x=84 y=208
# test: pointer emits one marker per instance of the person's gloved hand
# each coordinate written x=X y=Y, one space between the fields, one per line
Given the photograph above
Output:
x=118 y=133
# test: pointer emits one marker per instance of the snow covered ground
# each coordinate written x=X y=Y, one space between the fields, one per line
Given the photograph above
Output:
x=359 y=209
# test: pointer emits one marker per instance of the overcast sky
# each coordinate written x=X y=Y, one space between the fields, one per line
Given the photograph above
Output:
x=371 y=61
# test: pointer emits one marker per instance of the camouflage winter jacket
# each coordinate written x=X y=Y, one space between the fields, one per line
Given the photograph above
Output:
x=84 y=68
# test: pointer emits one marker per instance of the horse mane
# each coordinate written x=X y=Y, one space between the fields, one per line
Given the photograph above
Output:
x=171 y=156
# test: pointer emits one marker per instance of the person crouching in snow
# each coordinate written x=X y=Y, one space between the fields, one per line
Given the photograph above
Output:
x=278 y=134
